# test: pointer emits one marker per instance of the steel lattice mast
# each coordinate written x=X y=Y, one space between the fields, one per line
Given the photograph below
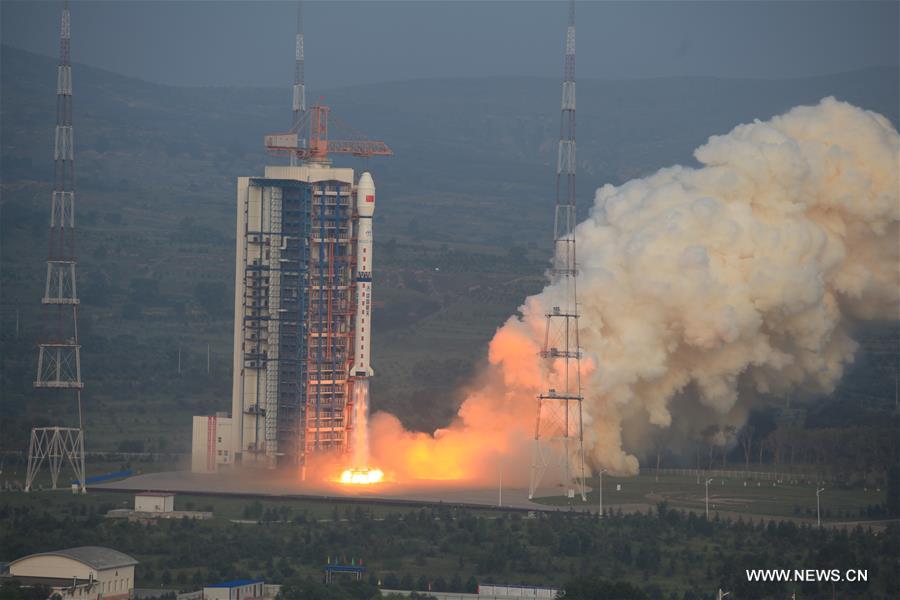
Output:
x=59 y=353
x=299 y=101
x=559 y=436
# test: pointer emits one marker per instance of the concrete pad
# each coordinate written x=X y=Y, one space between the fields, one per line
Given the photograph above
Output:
x=276 y=484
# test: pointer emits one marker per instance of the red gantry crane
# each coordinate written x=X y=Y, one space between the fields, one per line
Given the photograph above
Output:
x=317 y=147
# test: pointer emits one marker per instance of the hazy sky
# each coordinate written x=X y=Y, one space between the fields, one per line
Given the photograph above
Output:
x=251 y=43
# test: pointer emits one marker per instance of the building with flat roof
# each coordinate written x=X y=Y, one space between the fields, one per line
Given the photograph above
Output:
x=504 y=590
x=82 y=573
x=240 y=589
x=489 y=591
x=211 y=444
x=154 y=502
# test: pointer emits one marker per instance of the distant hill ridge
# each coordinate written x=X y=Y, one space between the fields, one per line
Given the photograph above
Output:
x=20 y=56
x=494 y=139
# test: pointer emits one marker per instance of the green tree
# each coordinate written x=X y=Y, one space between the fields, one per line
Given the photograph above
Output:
x=588 y=587
x=144 y=290
x=472 y=585
x=212 y=296
x=311 y=590
x=11 y=589
x=893 y=491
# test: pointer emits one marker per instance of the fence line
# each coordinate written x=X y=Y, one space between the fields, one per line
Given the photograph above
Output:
x=735 y=474
x=114 y=455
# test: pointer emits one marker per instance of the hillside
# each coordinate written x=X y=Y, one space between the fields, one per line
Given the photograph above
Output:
x=463 y=224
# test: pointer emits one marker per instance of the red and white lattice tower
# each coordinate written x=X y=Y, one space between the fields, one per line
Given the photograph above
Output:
x=59 y=353
x=299 y=90
x=559 y=435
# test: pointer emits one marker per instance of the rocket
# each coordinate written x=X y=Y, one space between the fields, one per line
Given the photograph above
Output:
x=365 y=208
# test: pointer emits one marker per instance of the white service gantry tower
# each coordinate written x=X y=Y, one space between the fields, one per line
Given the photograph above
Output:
x=59 y=353
x=303 y=291
x=559 y=434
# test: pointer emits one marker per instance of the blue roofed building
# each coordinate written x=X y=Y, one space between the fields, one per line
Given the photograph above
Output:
x=240 y=589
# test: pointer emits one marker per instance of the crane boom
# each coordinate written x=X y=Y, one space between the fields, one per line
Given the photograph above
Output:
x=318 y=146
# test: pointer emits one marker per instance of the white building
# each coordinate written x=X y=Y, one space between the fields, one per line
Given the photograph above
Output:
x=83 y=573
x=155 y=502
x=211 y=447
x=489 y=591
x=496 y=591
x=241 y=589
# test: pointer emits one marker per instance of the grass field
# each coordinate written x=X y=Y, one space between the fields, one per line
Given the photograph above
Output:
x=760 y=498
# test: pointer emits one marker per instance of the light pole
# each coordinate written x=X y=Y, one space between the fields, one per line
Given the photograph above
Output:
x=721 y=595
x=602 y=471
x=708 y=481
x=818 y=514
x=500 y=487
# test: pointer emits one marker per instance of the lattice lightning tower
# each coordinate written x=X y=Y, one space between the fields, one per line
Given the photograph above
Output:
x=299 y=101
x=59 y=353
x=559 y=436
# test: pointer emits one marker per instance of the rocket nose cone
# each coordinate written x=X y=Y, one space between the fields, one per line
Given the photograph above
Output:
x=365 y=195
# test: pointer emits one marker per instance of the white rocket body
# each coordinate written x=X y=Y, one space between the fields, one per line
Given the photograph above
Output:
x=365 y=208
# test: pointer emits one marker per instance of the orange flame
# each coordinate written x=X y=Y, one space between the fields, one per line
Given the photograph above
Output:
x=361 y=476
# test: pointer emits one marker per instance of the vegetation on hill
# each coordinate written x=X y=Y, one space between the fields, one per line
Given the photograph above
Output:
x=462 y=229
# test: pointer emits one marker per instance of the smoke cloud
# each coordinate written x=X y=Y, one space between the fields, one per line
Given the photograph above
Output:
x=702 y=291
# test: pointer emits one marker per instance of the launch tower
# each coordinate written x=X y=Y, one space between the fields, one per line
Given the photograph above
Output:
x=559 y=435
x=302 y=298
x=303 y=284
x=293 y=312
x=59 y=353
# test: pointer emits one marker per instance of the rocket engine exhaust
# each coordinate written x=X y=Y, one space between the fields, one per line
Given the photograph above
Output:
x=361 y=422
x=360 y=471
x=705 y=292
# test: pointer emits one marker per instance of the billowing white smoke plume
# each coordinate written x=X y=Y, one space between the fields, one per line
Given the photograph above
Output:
x=706 y=288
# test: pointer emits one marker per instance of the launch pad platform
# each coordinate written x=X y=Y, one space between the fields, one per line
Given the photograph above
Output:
x=275 y=485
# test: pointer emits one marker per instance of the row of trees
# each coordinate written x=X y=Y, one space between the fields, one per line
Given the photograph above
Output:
x=851 y=456
x=666 y=553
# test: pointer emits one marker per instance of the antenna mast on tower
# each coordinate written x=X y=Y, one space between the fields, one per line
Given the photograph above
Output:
x=559 y=435
x=308 y=139
x=299 y=103
x=59 y=354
